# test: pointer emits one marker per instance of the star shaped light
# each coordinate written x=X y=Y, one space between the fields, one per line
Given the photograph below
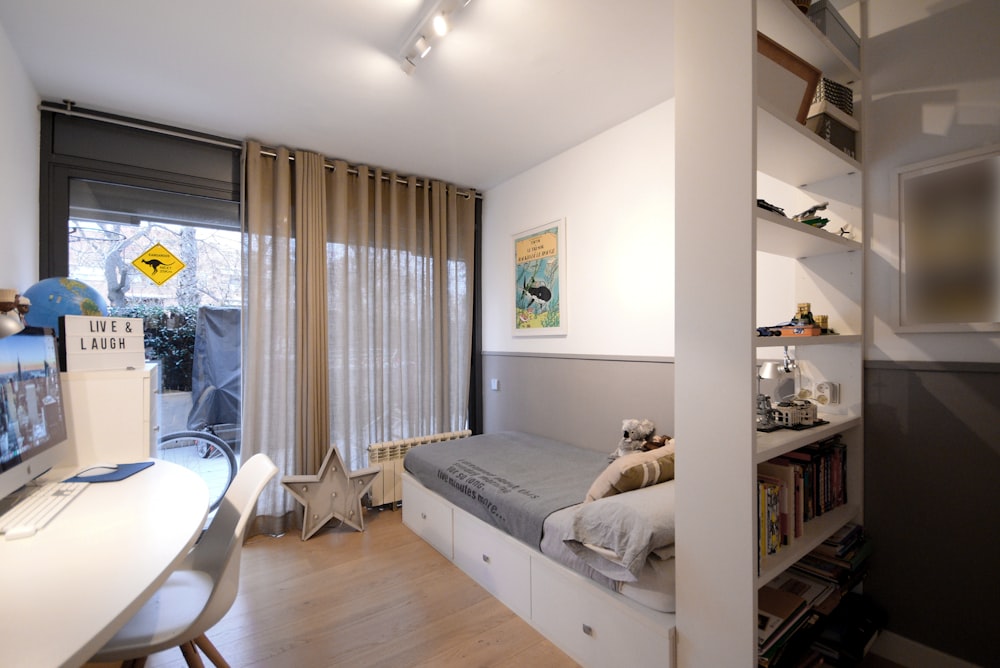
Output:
x=332 y=492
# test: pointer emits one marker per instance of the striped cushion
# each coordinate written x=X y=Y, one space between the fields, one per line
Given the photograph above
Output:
x=634 y=471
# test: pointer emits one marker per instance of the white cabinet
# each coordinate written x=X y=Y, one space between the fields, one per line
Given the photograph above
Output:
x=593 y=628
x=428 y=516
x=496 y=561
x=112 y=416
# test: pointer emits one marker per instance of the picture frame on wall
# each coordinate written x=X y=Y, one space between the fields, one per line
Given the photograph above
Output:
x=949 y=243
x=540 y=280
x=785 y=82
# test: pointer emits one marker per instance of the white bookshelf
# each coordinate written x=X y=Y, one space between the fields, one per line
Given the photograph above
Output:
x=776 y=443
x=782 y=236
x=805 y=341
x=825 y=272
x=814 y=532
x=792 y=153
x=726 y=140
x=782 y=22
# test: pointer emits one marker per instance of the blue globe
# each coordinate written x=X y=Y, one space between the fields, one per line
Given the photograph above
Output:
x=53 y=297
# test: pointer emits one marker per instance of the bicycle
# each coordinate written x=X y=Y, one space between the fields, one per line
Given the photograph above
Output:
x=205 y=453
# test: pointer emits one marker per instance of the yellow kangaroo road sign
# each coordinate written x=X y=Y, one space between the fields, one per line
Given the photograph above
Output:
x=158 y=264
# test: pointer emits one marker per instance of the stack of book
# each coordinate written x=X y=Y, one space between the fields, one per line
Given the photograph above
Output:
x=808 y=617
x=796 y=488
x=846 y=636
x=842 y=559
x=787 y=617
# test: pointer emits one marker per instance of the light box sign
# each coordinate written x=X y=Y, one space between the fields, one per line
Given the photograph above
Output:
x=96 y=343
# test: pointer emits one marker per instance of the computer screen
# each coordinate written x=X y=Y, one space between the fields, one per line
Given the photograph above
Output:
x=32 y=414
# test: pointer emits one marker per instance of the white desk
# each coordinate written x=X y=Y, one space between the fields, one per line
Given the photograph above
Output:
x=66 y=590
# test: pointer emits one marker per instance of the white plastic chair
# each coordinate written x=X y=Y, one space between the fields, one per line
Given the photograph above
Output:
x=202 y=589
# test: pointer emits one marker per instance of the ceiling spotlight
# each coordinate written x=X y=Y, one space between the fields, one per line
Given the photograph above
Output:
x=423 y=46
x=440 y=25
x=431 y=27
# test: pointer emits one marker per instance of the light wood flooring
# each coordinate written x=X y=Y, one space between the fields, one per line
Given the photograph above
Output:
x=379 y=598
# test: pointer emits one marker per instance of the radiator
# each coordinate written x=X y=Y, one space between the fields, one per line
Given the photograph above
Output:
x=388 y=487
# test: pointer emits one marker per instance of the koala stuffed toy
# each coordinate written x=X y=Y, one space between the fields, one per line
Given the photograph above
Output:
x=635 y=435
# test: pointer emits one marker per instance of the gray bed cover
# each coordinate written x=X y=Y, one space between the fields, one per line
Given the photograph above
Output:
x=509 y=479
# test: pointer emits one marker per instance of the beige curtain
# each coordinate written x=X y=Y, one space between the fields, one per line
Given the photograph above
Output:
x=400 y=261
x=285 y=392
x=358 y=313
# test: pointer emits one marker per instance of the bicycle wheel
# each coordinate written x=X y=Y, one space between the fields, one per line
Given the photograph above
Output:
x=186 y=447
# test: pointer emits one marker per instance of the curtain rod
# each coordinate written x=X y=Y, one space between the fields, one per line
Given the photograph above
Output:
x=421 y=181
x=69 y=109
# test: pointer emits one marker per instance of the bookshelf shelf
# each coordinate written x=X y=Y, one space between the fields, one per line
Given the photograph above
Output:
x=813 y=533
x=825 y=340
x=776 y=443
x=792 y=153
x=785 y=237
x=782 y=22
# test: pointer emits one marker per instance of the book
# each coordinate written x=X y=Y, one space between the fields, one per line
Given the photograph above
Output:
x=769 y=515
x=811 y=589
x=776 y=609
x=852 y=559
x=784 y=473
x=842 y=541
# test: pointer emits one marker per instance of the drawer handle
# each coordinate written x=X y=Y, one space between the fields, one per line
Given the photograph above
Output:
x=486 y=558
x=588 y=630
x=423 y=516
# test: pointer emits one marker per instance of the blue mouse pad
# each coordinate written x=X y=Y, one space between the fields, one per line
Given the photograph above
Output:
x=123 y=471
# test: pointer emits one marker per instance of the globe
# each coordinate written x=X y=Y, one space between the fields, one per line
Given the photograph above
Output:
x=53 y=297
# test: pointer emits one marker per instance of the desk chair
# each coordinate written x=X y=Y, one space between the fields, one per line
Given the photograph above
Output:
x=202 y=589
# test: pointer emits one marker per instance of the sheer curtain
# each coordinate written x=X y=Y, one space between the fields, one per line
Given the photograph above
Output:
x=358 y=312
x=400 y=257
x=285 y=394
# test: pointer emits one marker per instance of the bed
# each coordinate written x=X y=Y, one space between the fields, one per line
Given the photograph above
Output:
x=595 y=577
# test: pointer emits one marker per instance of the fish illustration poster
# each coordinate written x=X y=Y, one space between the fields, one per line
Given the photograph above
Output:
x=538 y=281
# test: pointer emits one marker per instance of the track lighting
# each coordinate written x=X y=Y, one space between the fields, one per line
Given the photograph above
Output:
x=440 y=25
x=423 y=46
x=433 y=25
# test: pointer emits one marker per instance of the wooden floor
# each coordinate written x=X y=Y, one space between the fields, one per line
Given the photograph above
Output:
x=379 y=598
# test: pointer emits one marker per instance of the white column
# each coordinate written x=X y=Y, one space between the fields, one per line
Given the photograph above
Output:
x=715 y=47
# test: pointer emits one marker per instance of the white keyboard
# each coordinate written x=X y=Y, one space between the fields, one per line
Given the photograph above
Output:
x=35 y=511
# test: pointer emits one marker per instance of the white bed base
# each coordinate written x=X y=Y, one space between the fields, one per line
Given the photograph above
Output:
x=594 y=625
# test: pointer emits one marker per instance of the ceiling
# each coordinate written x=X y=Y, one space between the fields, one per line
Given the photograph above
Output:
x=514 y=83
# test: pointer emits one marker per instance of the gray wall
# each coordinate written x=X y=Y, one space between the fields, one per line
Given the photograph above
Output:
x=932 y=502
x=580 y=400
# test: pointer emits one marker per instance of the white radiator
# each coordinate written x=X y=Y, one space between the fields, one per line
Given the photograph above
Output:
x=388 y=487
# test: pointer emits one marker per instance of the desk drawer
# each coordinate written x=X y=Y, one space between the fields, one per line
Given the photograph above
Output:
x=428 y=516
x=496 y=561
x=593 y=626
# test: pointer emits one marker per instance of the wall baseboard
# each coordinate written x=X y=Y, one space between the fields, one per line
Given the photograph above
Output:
x=912 y=654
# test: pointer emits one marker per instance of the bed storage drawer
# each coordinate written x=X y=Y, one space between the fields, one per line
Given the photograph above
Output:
x=499 y=563
x=592 y=627
x=428 y=515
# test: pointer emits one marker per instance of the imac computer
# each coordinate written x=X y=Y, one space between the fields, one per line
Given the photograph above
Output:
x=32 y=414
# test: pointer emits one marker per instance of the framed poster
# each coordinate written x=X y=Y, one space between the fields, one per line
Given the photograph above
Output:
x=540 y=280
x=949 y=225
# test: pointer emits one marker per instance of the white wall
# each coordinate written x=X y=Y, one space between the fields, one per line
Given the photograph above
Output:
x=934 y=77
x=616 y=193
x=19 y=134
